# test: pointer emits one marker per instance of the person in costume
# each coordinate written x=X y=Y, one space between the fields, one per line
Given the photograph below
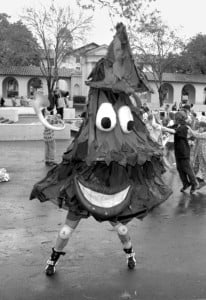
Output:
x=113 y=169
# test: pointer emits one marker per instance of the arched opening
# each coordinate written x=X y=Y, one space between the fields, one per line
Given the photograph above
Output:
x=10 y=87
x=188 y=94
x=169 y=92
x=76 y=91
x=34 y=84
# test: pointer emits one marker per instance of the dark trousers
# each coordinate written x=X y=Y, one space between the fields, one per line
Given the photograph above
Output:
x=185 y=171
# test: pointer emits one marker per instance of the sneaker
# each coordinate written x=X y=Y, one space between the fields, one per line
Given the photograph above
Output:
x=185 y=187
x=131 y=260
x=52 y=261
x=50 y=268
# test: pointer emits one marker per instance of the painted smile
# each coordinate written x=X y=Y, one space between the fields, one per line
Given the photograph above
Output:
x=103 y=200
x=103 y=204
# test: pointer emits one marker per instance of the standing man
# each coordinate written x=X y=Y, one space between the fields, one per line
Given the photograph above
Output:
x=182 y=153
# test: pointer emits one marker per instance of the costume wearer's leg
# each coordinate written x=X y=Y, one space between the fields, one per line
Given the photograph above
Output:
x=125 y=239
x=62 y=240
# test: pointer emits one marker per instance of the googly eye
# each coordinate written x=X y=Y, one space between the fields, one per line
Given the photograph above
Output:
x=126 y=119
x=106 y=118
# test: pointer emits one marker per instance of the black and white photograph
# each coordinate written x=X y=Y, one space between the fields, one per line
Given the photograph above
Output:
x=102 y=150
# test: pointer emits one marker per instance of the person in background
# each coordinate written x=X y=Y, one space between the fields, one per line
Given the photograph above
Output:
x=167 y=109
x=195 y=121
x=174 y=107
x=49 y=140
x=66 y=99
x=2 y=103
x=199 y=158
x=192 y=140
x=187 y=109
x=61 y=105
x=145 y=108
x=156 y=131
x=169 y=145
x=182 y=153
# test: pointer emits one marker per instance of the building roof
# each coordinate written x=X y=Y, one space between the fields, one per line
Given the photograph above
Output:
x=32 y=71
x=178 y=77
x=82 y=50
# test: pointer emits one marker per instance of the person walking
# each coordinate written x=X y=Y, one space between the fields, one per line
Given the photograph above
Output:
x=182 y=153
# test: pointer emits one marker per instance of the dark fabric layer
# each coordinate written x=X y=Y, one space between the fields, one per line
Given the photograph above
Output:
x=149 y=189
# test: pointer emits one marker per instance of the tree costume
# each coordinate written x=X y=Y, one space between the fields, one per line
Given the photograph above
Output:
x=112 y=170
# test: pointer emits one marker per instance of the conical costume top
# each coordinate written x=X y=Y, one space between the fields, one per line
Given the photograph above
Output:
x=112 y=170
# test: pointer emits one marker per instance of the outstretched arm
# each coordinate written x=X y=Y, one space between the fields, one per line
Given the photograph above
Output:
x=170 y=130
x=197 y=134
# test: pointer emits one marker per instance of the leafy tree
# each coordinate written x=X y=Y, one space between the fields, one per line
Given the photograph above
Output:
x=17 y=44
x=127 y=10
x=193 y=58
x=56 y=29
x=156 y=47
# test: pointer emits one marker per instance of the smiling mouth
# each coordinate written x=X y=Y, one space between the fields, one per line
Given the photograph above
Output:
x=103 y=205
x=103 y=200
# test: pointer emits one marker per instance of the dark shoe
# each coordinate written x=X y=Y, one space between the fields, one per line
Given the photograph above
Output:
x=185 y=187
x=130 y=256
x=131 y=261
x=50 y=268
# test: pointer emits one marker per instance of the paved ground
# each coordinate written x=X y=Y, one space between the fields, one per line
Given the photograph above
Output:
x=170 y=243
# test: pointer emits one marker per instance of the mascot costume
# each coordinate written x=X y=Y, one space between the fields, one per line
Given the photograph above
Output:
x=112 y=170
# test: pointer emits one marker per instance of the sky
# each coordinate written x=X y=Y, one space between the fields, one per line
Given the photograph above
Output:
x=188 y=16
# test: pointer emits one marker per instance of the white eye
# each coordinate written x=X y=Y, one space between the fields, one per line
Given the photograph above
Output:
x=126 y=119
x=106 y=118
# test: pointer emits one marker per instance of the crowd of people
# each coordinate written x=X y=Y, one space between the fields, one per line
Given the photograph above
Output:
x=182 y=136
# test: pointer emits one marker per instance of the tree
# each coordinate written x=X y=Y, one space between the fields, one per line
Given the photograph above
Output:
x=126 y=10
x=193 y=58
x=16 y=44
x=57 y=29
x=156 y=47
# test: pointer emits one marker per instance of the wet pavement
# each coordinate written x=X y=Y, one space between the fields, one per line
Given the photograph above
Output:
x=170 y=243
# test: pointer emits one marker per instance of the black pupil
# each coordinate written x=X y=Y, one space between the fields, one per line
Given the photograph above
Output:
x=106 y=123
x=130 y=125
